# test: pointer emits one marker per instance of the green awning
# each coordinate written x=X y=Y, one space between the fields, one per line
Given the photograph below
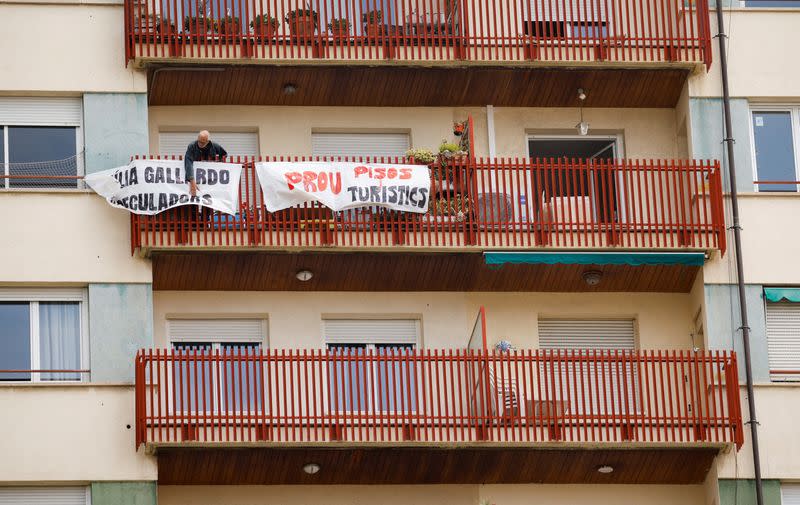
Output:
x=594 y=258
x=779 y=294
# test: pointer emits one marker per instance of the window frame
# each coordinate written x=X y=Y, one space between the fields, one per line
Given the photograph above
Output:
x=794 y=112
x=80 y=169
x=33 y=297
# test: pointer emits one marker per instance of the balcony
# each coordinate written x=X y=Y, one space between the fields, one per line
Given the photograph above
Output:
x=622 y=32
x=388 y=416
x=477 y=206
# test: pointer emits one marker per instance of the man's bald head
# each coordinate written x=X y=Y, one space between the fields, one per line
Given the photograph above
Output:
x=203 y=137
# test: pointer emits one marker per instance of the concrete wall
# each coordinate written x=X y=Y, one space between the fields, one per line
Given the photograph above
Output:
x=647 y=133
x=707 y=134
x=664 y=321
x=743 y=492
x=124 y=493
x=60 y=47
x=120 y=323
x=115 y=128
x=724 y=321
x=66 y=237
x=69 y=433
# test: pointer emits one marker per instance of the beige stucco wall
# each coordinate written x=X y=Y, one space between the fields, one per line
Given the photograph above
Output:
x=664 y=321
x=69 y=237
x=647 y=133
x=65 y=48
x=770 y=244
x=760 y=55
x=778 y=408
x=69 y=433
x=432 y=495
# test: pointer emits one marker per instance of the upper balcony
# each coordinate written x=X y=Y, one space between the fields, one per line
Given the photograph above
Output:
x=646 y=33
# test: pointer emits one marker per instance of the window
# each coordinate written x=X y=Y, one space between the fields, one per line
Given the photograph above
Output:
x=376 y=384
x=783 y=340
x=585 y=336
x=231 y=381
x=775 y=147
x=76 y=495
x=42 y=337
x=790 y=493
x=360 y=144
x=40 y=137
x=772 y=3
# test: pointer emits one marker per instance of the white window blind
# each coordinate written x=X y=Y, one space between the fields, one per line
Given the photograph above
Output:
x=40 y=111
x=591 y=334
x=217 y=330
x=44 y=496
x=236 y=144
x=360 y=144
x=783 y=340
x=790 y=494
x=371 y=331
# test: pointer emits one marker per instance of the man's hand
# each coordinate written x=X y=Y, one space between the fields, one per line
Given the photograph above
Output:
x=193 y=187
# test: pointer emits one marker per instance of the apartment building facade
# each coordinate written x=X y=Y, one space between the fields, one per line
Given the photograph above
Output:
x=311 y=356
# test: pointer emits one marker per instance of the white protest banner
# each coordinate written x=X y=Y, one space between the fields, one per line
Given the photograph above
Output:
x=345 y=185
x=153 y=186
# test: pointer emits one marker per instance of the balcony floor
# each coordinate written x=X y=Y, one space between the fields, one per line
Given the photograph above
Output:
x=432 y=465
x=362 y=271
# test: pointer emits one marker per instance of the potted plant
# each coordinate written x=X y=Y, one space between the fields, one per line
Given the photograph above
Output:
x=457 y=206
x=339 y=27
x=264 y=25
x=451 y=154
x=228 y=25
x=302 y=22
x=373 y=25
x=197 y=25
x=420 y=156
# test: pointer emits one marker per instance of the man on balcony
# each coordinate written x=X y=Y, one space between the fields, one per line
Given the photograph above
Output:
x=201 y=150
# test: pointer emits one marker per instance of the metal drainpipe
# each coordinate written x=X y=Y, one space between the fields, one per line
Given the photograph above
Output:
x=737 y=238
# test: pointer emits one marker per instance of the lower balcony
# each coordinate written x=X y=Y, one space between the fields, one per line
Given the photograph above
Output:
x=479 y=205
x=435 y=416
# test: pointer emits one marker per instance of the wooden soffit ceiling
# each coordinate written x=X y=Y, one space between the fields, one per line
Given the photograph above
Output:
x=394 y=86
x=265 y=271
x=431 y=465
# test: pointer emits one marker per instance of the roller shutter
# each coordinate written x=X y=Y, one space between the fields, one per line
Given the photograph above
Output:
x=216 y=330
x=783 y=340
x=371 y=331
x=44 y=496
x=236 y=144
x=360 y=144
x=41 y=111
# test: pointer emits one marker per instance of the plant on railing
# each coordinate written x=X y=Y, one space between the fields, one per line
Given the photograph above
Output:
x=264 y=25
x=197 y=24
x=373 y=23
x=339 y=27
x=228 y=25
x=302 y=22
x=421 y=156
x=451 y=153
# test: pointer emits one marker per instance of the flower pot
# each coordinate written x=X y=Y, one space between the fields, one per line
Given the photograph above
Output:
x=340 y=32
x=265 y=30
x=229 y=27
x=302 y=26
x=374 y=30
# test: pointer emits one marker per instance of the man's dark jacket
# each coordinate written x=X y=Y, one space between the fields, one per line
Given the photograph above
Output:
x=211 y=152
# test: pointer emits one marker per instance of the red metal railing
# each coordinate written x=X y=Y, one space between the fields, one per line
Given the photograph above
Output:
x=428 y=30
x=482 y=204
x=456 y=395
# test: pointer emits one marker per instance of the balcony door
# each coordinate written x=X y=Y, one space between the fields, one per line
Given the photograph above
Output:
x=371 y=369
x=582 y=196
x=216 y=368
x=606 y=385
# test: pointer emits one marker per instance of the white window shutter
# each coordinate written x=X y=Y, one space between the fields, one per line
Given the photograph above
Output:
x=40 y=111
x=216 y=330
x=44 y=495
x=783 y=339
x=587 y=334
x=236 y=144
x=790 y=494
x=360 y=144
x=371 y=331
